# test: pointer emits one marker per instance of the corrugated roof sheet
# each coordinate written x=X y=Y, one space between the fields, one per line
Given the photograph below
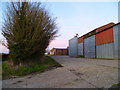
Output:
x=104 y=27
x=97 y=30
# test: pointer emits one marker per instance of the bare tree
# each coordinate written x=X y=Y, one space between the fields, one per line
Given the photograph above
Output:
x=28 y=29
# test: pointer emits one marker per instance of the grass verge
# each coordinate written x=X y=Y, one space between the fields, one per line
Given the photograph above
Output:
x=9 y=72
x=80 y=56
x=0 y=71
x=116 y=85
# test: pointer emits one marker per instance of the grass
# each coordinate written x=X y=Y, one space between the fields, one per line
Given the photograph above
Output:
x=9 y=72
x=0 y=71
x=118 y=85
x=80 y=56
x=115 y=86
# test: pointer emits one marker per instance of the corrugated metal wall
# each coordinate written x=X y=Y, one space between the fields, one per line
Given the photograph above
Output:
x=105 y=50
x=92 y=46
x=86 y=47
x=89 y=47
x=119 y=41
x=104 y=44
x=80 y=45
x=80 y=48
x=105 y=37
x=73 y=47
x=116 y=40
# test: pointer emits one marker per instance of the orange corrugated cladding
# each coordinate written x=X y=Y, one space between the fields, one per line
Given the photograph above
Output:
x=80 y=39
x=105 y=37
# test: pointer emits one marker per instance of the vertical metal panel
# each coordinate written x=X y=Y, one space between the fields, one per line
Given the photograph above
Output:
x=116 y=40
x=105 y=50
x=89 y=47
x=105 y=37
x=86 y=47
x=73 y=47
x=119 y=11
x=92 y=46
x=119 y=41
x=80 y=48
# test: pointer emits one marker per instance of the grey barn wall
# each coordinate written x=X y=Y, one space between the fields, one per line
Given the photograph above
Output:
x=105 y=50
x=119 y=31
x=86 y=47
x=116 y=30
x=119 y=41
x=80 y=48
x=90 y=50
x=73 y=47
x=89 y=47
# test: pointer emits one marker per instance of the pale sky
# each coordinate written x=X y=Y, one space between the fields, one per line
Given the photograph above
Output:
x=76 y=17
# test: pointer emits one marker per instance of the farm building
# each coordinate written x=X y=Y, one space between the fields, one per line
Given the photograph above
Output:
x=58 y=51
x=101 y=42
x=73 y=47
